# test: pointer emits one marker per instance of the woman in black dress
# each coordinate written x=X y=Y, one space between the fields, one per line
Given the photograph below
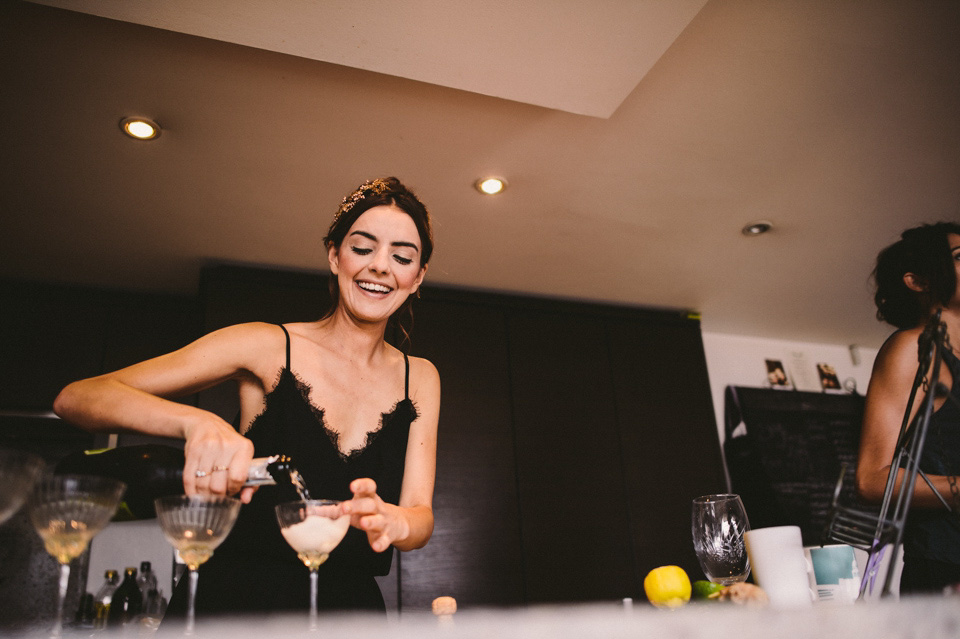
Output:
x=358 y=416
x=916 y=277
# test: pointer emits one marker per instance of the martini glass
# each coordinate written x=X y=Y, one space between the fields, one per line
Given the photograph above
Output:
x=18 y=472
x=313 y=528
x=195 y=525
x=67 y=511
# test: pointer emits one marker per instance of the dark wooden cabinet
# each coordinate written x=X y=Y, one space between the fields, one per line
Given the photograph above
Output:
x=53 y=335
x=576 y=540
x=670 y=446
x=475 y=554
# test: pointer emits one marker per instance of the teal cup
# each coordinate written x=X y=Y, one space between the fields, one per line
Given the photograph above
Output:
x=836 y=573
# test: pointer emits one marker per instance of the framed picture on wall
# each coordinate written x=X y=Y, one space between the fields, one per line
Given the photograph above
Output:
x=777 y=375
x=828 y=378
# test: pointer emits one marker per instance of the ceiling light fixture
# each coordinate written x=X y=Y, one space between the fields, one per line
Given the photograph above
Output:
x=491 y=185
x=140 y=128
x=756 y=228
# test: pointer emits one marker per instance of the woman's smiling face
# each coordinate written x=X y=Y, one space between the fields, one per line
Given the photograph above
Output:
x=378 y=263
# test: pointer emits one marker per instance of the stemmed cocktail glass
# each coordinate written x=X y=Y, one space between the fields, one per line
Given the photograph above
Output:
x=718 y=525
x=195 y=525
x=18 y=472
x=67 y=511
x=313 y=528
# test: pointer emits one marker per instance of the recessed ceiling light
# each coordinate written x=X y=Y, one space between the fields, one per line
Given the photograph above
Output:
x=140 y=128
x=491 y=185
x=757 y=228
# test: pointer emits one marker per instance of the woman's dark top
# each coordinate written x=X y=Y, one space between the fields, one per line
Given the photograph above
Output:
x=933 y=534
x=255 y=569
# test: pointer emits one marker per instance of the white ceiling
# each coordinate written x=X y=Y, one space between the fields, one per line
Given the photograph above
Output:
x=638 y=138
x=551 y=53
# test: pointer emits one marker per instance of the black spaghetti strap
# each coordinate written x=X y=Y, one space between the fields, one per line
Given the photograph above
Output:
x=284 y=328
x=406 y=377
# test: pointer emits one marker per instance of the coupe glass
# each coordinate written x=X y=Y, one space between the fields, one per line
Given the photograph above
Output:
x=718 y=525
x=313 y=528
x=195 y=525
x=18 y=472
x=67 y=511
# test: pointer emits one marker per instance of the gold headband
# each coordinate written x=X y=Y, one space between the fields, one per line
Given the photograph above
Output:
x=370 y=187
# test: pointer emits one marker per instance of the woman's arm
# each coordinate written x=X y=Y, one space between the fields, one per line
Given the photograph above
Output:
x=409 y=524
x=136 y=399
x=890 y=383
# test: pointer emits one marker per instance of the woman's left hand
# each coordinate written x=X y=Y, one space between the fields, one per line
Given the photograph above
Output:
x=384 y=523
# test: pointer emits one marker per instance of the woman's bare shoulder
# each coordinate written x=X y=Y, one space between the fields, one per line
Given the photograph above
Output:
x=897 y=359
x=297 y=328
x=247 y=334
x=423 y=369
x=424 y=379
x=249 y=341
x=901 y=345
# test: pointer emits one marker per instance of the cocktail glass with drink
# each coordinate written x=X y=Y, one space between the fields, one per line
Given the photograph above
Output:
x=718 y=525
x=195 y=525
x=67 y=511
x=313 y=528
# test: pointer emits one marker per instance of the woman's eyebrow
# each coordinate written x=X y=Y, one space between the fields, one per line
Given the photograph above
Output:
x=373 y=238
x=410 y=244
x=369 y=236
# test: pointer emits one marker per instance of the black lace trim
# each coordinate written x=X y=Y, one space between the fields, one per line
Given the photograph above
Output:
x=306 y=389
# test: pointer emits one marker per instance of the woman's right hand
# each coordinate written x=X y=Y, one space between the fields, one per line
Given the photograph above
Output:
x=217 y=459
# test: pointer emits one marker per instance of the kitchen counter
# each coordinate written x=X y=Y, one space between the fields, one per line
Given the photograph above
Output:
x=917 y=617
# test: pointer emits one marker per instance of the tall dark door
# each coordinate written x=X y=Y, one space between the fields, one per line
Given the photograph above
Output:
x=571 y=485
x=475 y=553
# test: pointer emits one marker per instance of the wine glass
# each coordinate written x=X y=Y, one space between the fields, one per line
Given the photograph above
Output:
x=195 y=525
x=67 y=511
x=718 y=524
x=313 y=528
x=18 y=472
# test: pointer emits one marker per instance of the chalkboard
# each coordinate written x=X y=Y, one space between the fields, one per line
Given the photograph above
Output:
x=785 y=451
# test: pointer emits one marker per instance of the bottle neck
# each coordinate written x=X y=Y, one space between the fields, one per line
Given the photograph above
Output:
x=262 y=469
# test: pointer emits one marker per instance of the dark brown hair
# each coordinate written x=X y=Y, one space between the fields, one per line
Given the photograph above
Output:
x=925 y=252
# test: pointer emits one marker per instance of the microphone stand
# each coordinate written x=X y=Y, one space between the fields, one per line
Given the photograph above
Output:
x=847 y=525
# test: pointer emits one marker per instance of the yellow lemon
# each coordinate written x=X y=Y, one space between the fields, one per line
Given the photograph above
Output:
x=667 y=587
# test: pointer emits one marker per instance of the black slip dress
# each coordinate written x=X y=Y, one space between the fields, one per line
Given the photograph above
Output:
x=931 y=539
x=254 y=569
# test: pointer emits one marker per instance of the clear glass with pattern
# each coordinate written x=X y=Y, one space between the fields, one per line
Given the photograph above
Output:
x=718 y=526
